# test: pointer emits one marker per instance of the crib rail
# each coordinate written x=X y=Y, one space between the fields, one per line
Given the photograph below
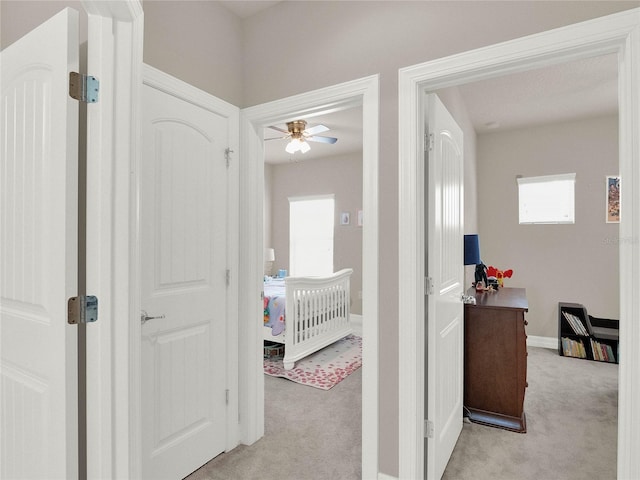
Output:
x=318 y=311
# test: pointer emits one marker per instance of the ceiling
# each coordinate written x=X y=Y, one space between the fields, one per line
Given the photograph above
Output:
x=247 y=8
x=345 y=125
x=563 y=92
x=567 y=91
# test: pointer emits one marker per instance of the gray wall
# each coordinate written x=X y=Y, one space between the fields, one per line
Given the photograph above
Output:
x=20 y=17
x=340 y=176
x=197 y=41
x=555 y=263
x=295 y=47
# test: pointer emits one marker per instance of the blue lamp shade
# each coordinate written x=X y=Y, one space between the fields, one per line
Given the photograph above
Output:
x=471 y=250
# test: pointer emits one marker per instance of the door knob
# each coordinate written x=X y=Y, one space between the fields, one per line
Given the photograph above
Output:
x=144 y=318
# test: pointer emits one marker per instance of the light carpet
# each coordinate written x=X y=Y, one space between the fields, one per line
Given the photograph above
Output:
x=323 y=369
x=310 y=434
x=571 y=408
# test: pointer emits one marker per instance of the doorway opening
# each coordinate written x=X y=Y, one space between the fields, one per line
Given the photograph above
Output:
x=359 y=93
x=610 y=34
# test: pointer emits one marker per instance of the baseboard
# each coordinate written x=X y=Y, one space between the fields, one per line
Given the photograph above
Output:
x=384 y=476
x=543 y=342
x=356 y=324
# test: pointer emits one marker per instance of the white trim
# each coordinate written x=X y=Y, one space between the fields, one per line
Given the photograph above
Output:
x=384 y=476
x=542 y=342
x=618 y=33
x=356 y=324
x=115 y=31
x=363 y=92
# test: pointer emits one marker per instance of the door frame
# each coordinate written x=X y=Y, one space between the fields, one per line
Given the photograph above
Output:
x=618 y=33
x=362 y=92
x=115 y=34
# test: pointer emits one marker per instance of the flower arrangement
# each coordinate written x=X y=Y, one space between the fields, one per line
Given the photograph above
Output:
x=498 y=275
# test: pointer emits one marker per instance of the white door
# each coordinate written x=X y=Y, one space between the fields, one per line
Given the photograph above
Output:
x=39 y=216
x=445 y=332
x=183 y=232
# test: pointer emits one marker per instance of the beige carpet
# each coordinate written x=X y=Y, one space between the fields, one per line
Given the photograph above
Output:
x=310 y=434
x=571 y=408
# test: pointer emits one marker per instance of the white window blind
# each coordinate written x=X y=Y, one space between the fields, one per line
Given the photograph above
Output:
x=311 y=223
x=547 y=199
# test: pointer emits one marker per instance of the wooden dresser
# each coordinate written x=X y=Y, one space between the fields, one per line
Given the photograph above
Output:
x=495 y=358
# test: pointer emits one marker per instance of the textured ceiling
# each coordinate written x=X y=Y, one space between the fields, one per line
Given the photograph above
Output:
x=247 y=8
x=563 y=92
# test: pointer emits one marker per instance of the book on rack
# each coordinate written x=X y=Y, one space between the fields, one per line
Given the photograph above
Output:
x=602 y=351
x=573 y=348
x=575 y=323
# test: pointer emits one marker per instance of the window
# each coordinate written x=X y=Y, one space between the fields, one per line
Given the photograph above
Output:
x=547 y=199
x=311 y=221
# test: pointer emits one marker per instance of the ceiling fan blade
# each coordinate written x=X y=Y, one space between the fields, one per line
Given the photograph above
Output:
x=277 y=138
x=279 y=129
x=315 y=130
x=323 y=139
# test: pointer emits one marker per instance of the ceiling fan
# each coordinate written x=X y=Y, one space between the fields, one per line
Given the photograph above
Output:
x=299 y=134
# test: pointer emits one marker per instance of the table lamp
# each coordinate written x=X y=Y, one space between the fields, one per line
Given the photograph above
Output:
x=472 y=257
x=269 y=258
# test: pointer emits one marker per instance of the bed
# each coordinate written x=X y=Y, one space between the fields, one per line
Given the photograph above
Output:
x=307 y=313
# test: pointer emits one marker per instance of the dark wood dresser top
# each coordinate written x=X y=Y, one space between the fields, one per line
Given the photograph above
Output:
x=513 y=298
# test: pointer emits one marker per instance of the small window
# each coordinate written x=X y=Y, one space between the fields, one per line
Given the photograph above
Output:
x=311 y=221
x=547 y=199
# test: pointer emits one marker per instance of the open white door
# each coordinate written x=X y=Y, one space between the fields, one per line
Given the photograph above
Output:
x=39 y=217
x=183 y=228
x=445 y=273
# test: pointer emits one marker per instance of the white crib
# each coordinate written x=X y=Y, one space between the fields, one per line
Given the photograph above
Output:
x=317 y=314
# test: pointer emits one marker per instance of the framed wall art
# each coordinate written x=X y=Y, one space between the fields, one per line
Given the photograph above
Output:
x=613 y=199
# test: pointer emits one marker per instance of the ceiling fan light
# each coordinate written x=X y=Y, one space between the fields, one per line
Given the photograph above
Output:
x=293 y=146
x=304 y=146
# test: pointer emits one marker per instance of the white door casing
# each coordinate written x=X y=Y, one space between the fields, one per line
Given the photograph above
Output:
x=618 y=33
x=184 y=241
x=365 y=92
x=114 y=56
x=39 y=212
x=444 y=267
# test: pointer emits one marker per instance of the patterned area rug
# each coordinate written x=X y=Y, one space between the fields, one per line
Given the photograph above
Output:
x=323 y=369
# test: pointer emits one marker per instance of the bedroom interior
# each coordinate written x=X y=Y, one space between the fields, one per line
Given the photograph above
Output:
x=500 y=242
x=533 y=147
x=325 y=169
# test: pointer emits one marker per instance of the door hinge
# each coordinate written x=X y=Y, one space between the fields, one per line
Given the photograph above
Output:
x=227 y=155
x=83 y=88
x=227 y=277
x=428 y=141
x=226 y=397
x=82 y=309
x=428 y=286
x=428 y=429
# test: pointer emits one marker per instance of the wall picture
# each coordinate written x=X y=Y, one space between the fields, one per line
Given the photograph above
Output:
x=613 y=199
